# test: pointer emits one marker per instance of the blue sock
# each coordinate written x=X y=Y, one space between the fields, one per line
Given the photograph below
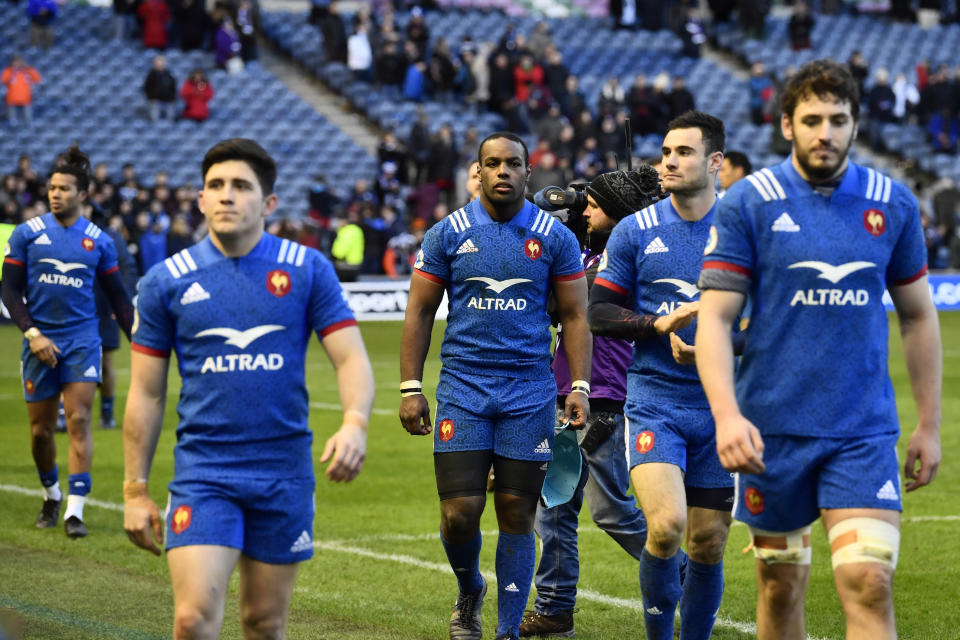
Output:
x=515 y=564
x=106 y=408
x=660 y=589
x=465 y=560
x=684 y=559
x=49 y=478
x=79 y=484
x=702 y=593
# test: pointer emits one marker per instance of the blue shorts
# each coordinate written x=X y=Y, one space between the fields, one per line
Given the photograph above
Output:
x=805 y=475
x=268 y=520
x=513 y=418
x=684 y=437
x=78 y=361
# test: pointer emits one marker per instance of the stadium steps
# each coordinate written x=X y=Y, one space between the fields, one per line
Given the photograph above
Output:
x=332 y=106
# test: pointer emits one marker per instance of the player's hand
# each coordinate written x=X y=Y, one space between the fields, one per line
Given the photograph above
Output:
x=924 y=448
x=348 y=448
x=740 y=446
x=683 y=353
x=45 y=350
x=141 y=517
x=677 y=319
x=415 y=415
x=576 y=410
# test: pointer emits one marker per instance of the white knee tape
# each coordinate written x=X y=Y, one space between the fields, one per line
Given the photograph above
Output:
x=778 y=547
x=864 y=540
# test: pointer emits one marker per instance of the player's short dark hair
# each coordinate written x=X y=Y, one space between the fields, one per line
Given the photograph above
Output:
x=739 y=159
x=824 y=79
x=509 y=136
x=75 y=163
x=245 y=150
x=711 y=128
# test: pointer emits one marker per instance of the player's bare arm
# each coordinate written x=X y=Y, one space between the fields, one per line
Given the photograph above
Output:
x=142 y=421
x=571 y=296
x=922 y=347
x=683 y=353
x=347 y=448
x=425 y=297
x=739 y=444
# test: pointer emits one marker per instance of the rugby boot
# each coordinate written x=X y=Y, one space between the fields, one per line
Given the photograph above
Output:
x=74 y=527
x=48 y=515
x=541 y=625
x=465 y=621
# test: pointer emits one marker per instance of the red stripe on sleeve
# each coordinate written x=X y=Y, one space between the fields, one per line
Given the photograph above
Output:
x=139 y=348
x=569 y=276
x=337 y=326
x=611 y=286
x=727 y=266
x=116 y=267
x=431 y=277
x=14 y=261
x=913 y=278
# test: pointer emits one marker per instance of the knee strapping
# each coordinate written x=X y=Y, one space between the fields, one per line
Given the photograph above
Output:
x=778 y=547
x=864 y=540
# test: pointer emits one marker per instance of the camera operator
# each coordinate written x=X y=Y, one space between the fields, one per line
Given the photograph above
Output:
x=604 y=478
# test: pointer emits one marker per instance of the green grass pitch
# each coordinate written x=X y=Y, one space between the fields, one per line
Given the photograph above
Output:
x=379 y=570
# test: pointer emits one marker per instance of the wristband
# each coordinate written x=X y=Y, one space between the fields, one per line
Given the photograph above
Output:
x=133 y=489
x=411 y=388
x=580 y=385
x=31 y=334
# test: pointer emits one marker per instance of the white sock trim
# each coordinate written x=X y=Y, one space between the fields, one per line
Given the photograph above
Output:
x=74 y=506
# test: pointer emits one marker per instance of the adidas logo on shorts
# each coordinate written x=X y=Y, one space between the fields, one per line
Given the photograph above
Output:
x=654 y=611
x=195 y=293
x=467 y=247
x=887 y=492
x=302 y=544
x=91 y=372
x=512 y=587
x=543 y=447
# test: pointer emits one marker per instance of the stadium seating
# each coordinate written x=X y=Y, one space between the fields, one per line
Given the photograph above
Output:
x=896 y=46
x=92 y=93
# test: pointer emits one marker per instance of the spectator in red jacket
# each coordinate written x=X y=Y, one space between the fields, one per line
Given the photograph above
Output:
x=155 y=15
x=196 y=93
x=19 y=79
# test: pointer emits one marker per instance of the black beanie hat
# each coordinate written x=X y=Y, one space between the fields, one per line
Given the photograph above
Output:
x=620 y=193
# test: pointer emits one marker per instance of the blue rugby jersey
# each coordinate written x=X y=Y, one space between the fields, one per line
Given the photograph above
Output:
x=654 y=256
x=62 y=264
x=498 y=276
x=240 y=329
x=816 y=265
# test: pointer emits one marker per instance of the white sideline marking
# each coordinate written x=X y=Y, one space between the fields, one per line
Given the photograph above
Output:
x=329 y=406
x=586 y=594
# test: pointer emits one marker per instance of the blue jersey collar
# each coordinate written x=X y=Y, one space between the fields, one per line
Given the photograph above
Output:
x=520 y=220
x=850 y=183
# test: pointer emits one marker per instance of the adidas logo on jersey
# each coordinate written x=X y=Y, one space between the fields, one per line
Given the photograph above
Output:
x=302 y=543
x=543 y=447
x=656 y=246
x=512 y=587
x=785 y=223
x=91 y=372
x=467 y=247
x=887 y=492
x=195 y=293
x=42 y=239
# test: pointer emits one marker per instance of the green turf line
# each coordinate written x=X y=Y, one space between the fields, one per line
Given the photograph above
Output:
x=102 y=629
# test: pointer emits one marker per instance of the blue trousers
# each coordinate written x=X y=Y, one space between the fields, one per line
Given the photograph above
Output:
x=604 y=484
